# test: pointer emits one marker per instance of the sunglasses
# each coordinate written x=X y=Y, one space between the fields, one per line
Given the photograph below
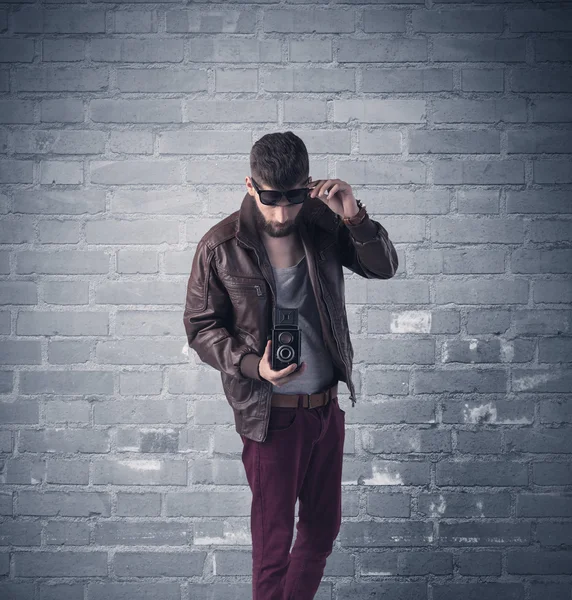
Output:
x=272 y=197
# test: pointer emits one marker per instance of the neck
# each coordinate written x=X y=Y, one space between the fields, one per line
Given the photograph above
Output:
x=293 y=240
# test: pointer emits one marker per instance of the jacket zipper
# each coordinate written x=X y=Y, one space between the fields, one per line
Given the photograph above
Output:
x=333 y=329
x=257 y=287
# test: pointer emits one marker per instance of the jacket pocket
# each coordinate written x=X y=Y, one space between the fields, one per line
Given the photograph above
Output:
x=237 y=392
x=253 y=287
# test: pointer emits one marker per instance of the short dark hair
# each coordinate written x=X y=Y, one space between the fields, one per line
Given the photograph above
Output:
x=279 y=161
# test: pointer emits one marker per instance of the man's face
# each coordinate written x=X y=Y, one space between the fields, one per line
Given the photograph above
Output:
x=280 y=220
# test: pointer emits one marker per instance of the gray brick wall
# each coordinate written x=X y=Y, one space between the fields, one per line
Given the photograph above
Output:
x=125 y=132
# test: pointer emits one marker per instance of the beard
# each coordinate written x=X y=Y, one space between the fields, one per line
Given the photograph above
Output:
x=272 y=229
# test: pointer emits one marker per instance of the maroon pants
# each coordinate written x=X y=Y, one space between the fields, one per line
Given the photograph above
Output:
x=301 y=458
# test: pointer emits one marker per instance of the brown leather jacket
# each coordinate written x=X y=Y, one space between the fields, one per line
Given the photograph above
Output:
x=231 y=292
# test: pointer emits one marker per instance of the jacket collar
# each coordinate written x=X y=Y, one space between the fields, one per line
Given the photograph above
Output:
x=313 y=212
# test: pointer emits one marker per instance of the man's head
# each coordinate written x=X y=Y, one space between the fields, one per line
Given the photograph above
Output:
x=278 y=161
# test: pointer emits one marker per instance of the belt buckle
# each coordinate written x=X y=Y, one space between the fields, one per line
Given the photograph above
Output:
x=328 y=397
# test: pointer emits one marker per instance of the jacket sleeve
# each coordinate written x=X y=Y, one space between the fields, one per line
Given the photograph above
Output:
x=207 y=312
x=366 y=249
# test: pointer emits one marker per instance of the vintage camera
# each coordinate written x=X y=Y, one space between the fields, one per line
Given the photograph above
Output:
x=286 y=338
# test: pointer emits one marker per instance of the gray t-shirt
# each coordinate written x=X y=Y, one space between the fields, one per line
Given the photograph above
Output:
x=294 y=290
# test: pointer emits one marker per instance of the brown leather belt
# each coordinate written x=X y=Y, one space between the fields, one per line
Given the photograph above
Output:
x=308 y=400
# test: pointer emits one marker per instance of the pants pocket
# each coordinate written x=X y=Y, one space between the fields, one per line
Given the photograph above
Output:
x=337 y=403
x=282 y=417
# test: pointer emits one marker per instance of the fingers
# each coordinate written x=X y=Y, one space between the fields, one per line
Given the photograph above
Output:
x=286 y=370
x=334 y=189
x=290 y=374
x=287 y=373
x=320 y=186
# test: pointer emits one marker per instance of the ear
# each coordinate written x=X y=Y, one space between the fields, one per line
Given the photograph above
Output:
x=249 y=188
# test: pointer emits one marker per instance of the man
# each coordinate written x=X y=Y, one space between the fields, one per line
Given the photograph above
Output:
x=285 y=247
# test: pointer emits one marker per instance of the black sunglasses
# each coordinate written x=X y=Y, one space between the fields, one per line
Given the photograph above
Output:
x=272 y=197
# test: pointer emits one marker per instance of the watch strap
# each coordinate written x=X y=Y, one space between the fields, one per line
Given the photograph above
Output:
x=358 y=217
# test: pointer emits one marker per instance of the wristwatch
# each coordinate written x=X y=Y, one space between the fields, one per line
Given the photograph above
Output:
x=358 y=217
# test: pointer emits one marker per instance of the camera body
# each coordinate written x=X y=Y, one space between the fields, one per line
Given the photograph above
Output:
x=286 y=338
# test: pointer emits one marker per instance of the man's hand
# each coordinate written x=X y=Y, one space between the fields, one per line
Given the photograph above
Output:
x=281 y=377
x=339 y=198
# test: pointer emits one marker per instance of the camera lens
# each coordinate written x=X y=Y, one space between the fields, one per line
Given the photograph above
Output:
x=285 y=337
x=285 y=353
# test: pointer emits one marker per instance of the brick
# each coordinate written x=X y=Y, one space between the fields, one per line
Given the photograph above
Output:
x=127 y=137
